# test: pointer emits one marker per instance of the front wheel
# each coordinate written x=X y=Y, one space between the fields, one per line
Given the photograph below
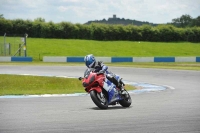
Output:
x=99 y=99
x=126 y=102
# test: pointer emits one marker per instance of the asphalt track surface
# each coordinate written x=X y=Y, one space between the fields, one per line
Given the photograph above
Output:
x=170 y=111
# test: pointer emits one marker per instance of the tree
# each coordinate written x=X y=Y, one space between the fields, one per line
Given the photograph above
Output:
x=1 y=16
x=39 y=19
x=196 y=21
x=5 y=26
x=183 y=21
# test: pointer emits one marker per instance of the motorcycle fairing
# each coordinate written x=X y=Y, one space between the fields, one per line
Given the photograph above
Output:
x=113 y=94
x=97 y=88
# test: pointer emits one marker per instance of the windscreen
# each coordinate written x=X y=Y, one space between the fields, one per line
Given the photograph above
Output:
x=87 y=72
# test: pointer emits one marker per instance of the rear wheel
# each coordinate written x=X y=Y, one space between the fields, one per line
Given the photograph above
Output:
x=126 y=102
x=99 y=99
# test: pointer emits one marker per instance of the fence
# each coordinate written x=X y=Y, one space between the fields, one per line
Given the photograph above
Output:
x=13 y=45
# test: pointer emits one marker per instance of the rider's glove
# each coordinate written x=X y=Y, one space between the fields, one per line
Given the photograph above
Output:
x=101 y=72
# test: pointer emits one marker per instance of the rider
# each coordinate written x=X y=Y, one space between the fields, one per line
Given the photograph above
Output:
x=98 y=66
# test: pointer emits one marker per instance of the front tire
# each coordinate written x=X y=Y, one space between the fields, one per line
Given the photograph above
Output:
x=100 y=101
x=126 y=102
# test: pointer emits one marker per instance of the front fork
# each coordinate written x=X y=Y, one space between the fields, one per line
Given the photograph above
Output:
x=101 y=97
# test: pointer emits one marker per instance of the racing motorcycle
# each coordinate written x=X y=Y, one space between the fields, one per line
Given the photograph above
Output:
x=102 y=91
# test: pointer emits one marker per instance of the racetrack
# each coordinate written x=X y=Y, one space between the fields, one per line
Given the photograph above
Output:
x=172 y=110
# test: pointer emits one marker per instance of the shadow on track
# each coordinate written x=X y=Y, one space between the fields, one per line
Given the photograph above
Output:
x=111 y=108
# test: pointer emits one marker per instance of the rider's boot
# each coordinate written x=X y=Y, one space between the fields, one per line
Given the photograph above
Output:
x=121 y=87
x=120 y=84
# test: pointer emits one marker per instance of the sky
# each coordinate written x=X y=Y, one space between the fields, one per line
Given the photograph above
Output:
x=82 y=11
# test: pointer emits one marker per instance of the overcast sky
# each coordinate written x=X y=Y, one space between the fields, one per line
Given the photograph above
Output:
x=81 y=11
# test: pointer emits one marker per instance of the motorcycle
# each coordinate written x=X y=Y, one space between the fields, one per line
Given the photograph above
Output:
x=102 y=91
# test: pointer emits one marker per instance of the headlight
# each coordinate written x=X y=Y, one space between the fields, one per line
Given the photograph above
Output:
x=85 y=84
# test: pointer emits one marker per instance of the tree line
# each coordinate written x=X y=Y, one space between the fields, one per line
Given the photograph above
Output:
x=186 y=21
x=96 y=31
x=183 y=21
x=121 y=21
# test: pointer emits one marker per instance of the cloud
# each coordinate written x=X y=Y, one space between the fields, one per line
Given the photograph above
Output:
x=71 y=0
x=81 y=11
x=63 y=9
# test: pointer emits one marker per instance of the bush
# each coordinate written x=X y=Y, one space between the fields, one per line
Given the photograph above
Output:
x=96 y=31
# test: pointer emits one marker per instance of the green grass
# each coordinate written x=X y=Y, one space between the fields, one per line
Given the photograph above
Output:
x=32 y=85
x=39 y=47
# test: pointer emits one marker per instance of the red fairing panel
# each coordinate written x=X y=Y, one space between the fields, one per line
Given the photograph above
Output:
x=98 y=89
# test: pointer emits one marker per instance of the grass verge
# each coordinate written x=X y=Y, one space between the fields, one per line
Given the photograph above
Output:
x=36 y=85
x=39 y=47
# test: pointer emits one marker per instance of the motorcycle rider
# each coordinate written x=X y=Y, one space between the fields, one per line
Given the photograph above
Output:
x=99 y=67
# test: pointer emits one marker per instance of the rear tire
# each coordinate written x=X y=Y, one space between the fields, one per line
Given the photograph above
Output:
x=126 y=102
x=101 y=102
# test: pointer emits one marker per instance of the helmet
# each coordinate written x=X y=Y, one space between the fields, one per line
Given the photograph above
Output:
x=89 y=60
